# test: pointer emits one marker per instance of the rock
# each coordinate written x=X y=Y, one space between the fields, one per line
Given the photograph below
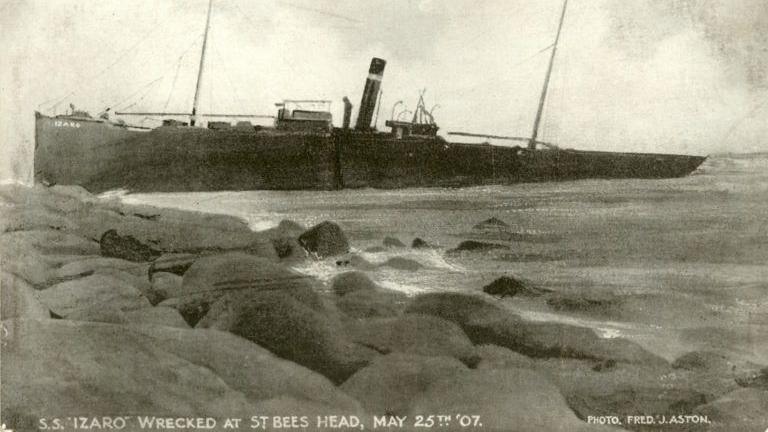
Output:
x=286 y=228
x=348 y=282
x=139 y=282
x=170 y=230
x=100 y=312
x=393 y=242
x=291 y=329
x=158 y=315
x=289 y=248
x=757 y=380
x=491 y=224
x=623 y=389
x=247 y=367
x=400 y=263
x=32 y=218
x=416 y=334
x=167 y=285
x=378 y=303
x=212 y=276
x=496 y=357
x=477 y=246
x=486 y=323
x=126 y=247
x=324 y=240
x=419 y=243
x=104 y=369
x=18 y=299
x=717 y=363
x=90 y=265
x=495 y=396
x=507 y=286
x=601 y=303
x=67 y=297
x=31 y=265
x=47 y=242
x=461 y=309
x=390 y=382
x=176 y=263
x=741 y=410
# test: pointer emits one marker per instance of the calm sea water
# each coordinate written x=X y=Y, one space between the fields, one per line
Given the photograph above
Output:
x=684 y=262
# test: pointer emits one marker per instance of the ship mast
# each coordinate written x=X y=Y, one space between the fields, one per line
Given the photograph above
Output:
x=537 y=121
x=200 y=69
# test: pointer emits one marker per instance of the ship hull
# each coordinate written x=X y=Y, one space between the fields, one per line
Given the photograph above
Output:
x=100 y=157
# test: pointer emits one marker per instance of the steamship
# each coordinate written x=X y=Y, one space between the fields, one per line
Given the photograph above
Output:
x=303 y=150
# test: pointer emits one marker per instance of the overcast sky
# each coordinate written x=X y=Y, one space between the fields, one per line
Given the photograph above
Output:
x=672 y=76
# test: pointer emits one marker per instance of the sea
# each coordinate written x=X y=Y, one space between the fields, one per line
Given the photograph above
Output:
x=676 y=265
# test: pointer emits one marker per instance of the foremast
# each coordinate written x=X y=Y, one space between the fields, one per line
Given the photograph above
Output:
x=193 y=117
x=545 y=88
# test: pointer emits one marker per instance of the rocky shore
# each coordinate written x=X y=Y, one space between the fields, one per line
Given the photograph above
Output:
x=112 y=310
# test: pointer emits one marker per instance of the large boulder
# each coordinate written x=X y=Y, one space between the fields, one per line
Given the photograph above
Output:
x=348 y=282
x=324 y=240
x=623 y=389
x=99 y=312
x=377 y=303
x=291 y=327
x=176 y=263
x=416 y=334
x=158 y=315
x=487 y=323
x=212 y=276
x=89 y=265
x=590 y=303
x=284 y=238
x=48 y=242
x=507 y=286
x=496 y=357
x=67 y=297
x=400 y=263
x=741 y=410
x=390 y=382
x=126 y=247
x=499 y=400
x=393 y=242
x=103 y=369
x=18 y=299
x=31 y=218
x=462 y=309
x=167 y=285
x=171 y=230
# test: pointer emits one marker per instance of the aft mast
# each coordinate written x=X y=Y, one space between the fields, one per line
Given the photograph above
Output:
x=537 y=121
x=193 y=118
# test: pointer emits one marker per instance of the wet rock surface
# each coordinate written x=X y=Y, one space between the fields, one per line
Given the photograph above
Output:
x=324 y=240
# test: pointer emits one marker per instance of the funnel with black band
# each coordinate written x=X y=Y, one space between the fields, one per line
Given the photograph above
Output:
x=370 y=94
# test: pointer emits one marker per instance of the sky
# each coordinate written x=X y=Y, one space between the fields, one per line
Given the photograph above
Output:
x=668 y=76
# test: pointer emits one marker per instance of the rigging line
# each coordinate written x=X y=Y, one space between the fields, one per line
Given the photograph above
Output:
x=146 y=93
x=138 y=91
x=176 y=76
x=123 y=55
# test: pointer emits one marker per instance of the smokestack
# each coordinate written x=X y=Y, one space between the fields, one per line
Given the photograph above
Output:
x=347 y=112
x=370 y=94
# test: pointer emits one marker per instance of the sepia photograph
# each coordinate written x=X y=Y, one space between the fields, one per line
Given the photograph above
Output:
x=384 y=215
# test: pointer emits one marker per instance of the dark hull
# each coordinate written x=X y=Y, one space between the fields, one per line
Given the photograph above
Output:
x=100 y=156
